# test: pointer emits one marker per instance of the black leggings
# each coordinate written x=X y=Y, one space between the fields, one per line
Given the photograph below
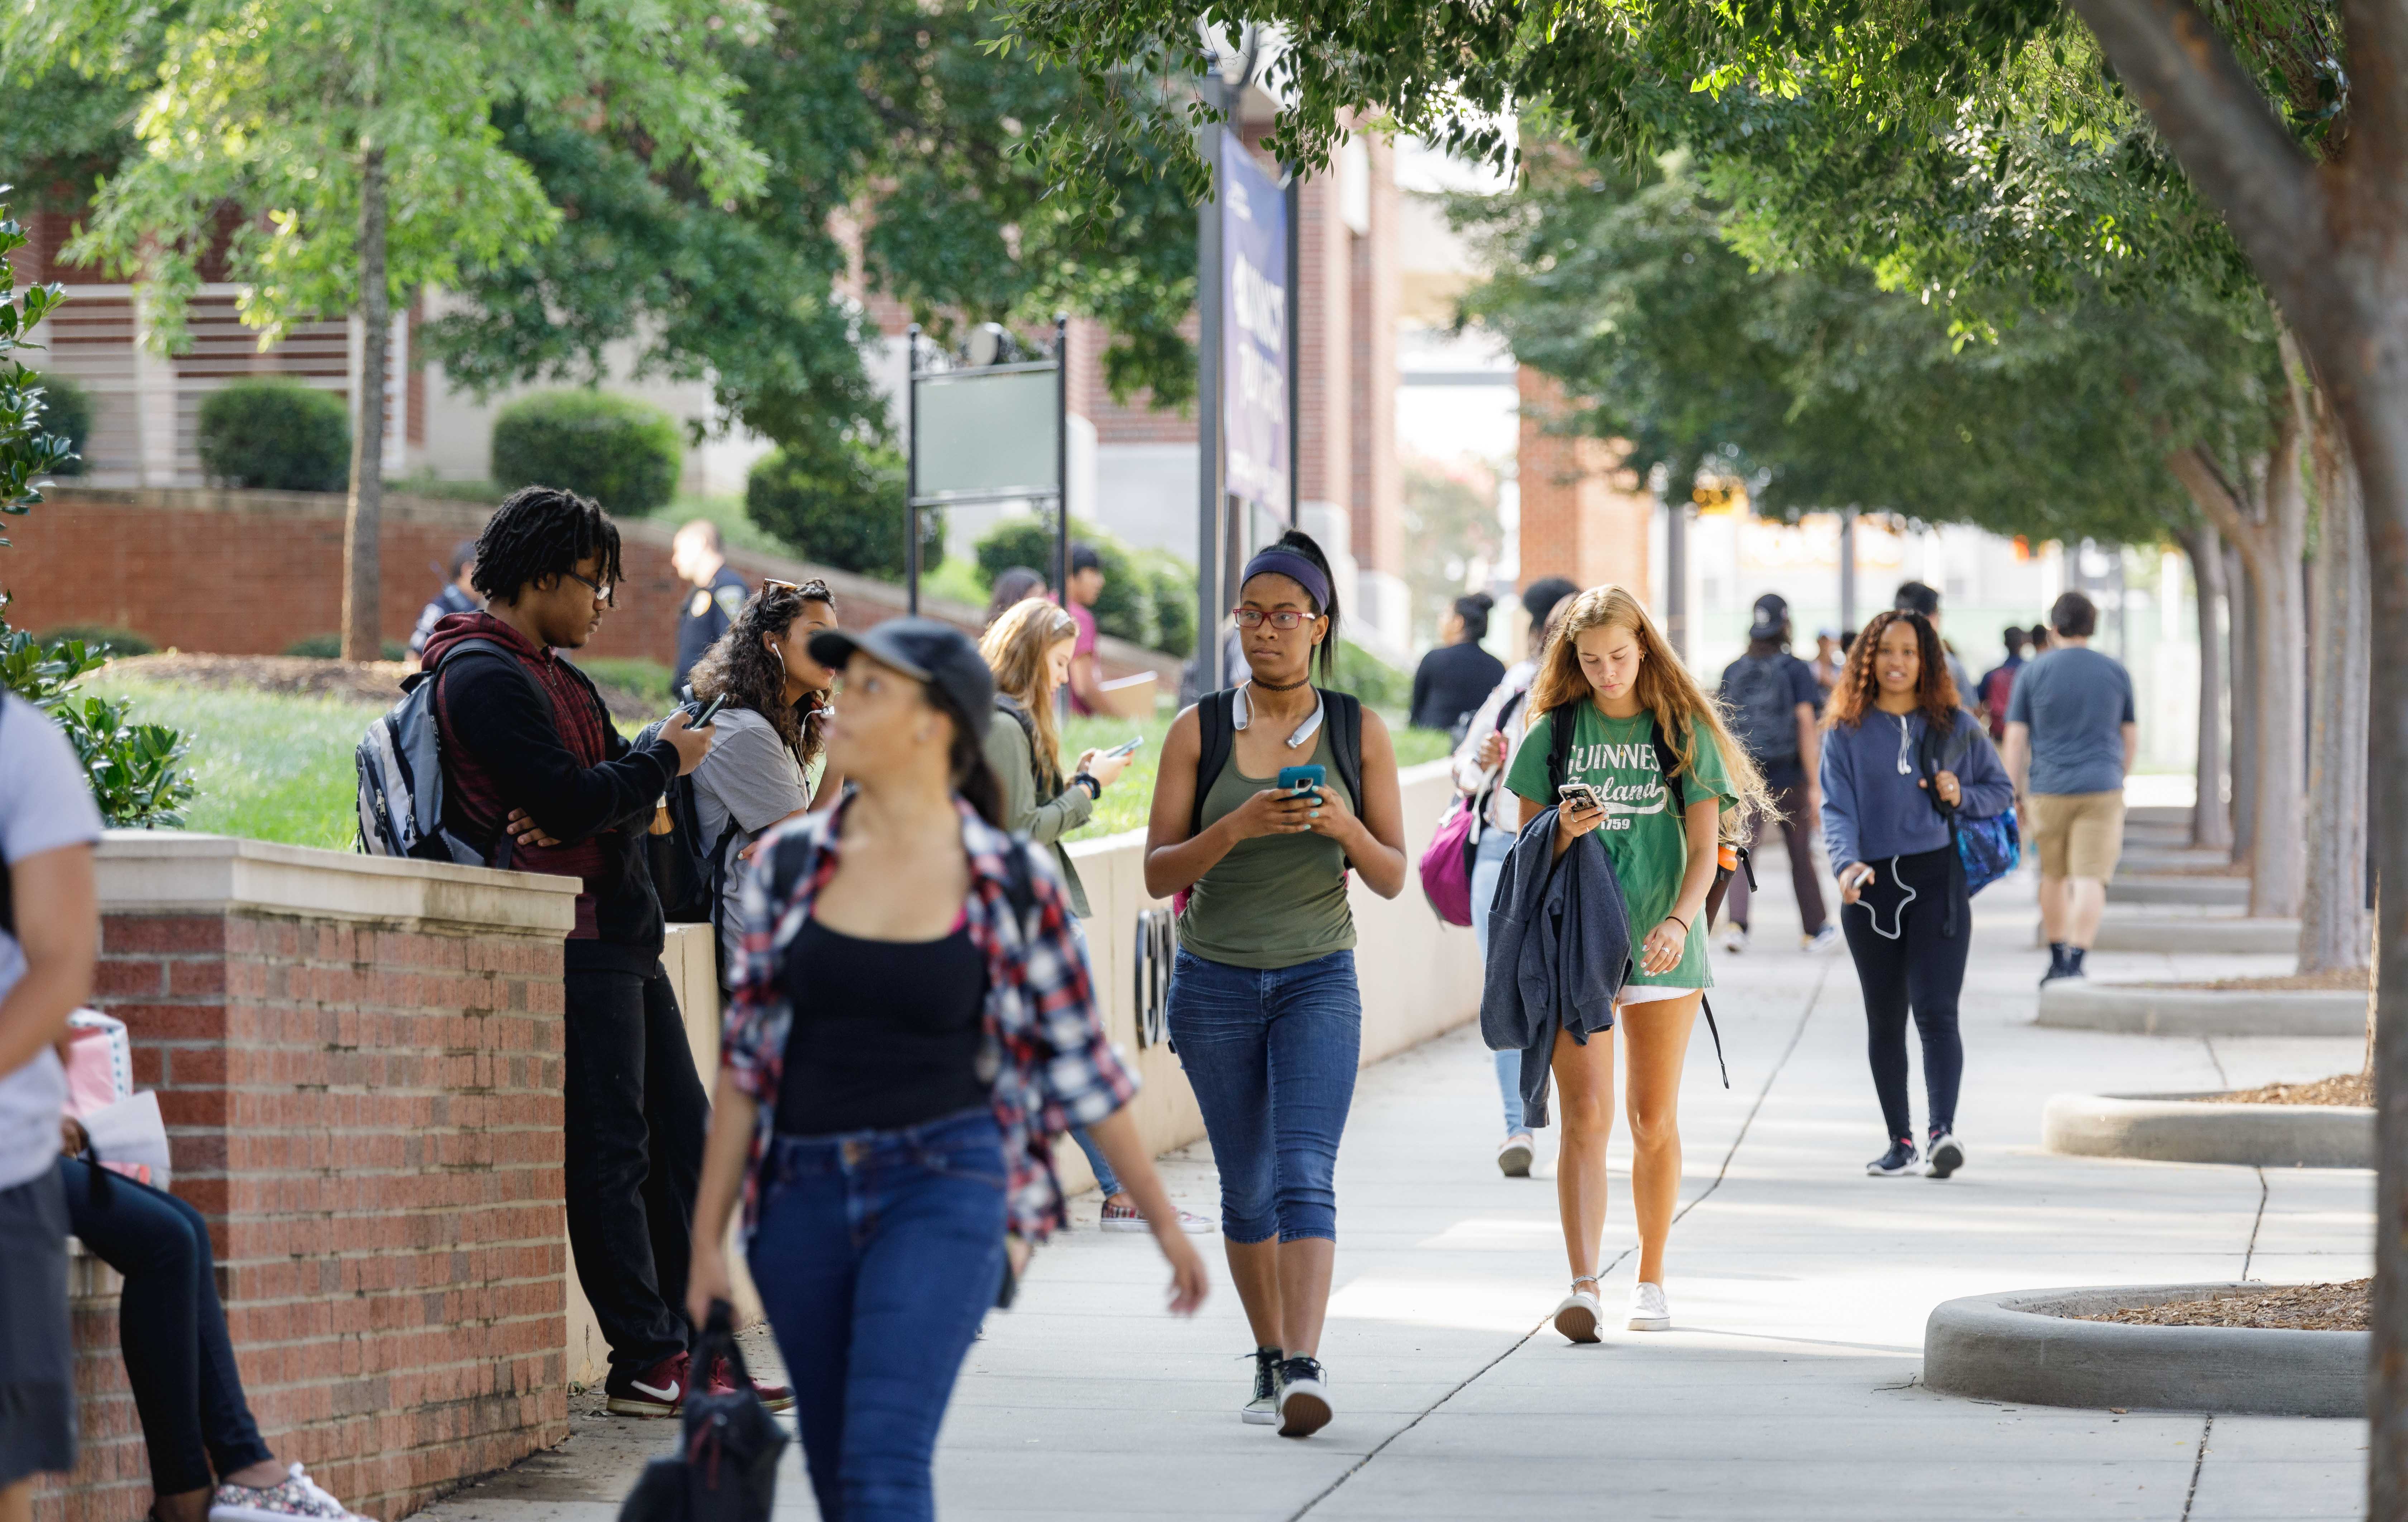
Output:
x=178 y=1356
x=1905 y=960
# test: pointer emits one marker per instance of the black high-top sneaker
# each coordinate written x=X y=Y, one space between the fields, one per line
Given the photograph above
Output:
x=1263 y=1410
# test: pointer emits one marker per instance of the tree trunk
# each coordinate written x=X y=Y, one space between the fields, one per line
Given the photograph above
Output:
x=2333 y=926
x=2241 y=652
x=2211 y=817
x=363 y=519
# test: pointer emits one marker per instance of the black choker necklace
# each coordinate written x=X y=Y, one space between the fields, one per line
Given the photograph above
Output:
x=1280 y=686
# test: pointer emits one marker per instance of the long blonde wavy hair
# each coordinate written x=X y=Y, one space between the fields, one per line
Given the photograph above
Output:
x=1015 y=646
x=1683 y=710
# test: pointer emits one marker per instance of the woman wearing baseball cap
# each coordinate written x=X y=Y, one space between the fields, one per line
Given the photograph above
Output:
x=890 y=1132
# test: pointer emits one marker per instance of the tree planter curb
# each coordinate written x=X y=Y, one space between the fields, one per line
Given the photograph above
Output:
x=2010 y=1348
x=2147 y=1009
x=2175 y=889
x=2203 y=930
x=2175 y=1129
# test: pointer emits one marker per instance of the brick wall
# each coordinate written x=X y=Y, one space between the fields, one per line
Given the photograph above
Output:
x=248 y=573
x=364 y=1097
x=1583 y=515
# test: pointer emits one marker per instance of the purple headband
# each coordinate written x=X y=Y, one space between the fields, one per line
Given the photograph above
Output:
x=1293 y=564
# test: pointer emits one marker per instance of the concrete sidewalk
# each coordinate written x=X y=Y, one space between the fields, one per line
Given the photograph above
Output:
x=1798 y=1288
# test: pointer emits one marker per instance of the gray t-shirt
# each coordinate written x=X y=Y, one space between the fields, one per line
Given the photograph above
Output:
x=45 y=804
x=2077 y=702
x=752 y=777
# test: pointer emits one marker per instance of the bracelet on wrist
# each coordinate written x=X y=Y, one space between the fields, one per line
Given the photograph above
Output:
x=1094 y=788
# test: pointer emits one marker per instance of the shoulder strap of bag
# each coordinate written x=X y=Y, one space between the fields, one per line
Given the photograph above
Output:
x=1346 y=740
x=1668 y=761
x=1216 y=731
x=1560 y=724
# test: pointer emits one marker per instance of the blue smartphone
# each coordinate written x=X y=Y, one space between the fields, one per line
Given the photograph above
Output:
x=1301 y=779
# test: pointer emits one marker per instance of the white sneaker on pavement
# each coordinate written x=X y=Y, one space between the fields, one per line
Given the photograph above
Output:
x=1515 y=1153
x=1649 y=1311
x=1824 y=940
x=1946 y=1155
x=294 y=1499
x=1733 y=940
x=1578 y=1316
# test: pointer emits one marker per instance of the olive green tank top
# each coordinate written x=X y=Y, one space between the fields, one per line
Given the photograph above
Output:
x=1276 y=900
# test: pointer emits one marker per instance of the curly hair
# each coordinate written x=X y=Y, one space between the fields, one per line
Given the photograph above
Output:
x=541 y=531
x=742 y=666
x=1935 y=690
x=1015 y=648
x=1664 y=688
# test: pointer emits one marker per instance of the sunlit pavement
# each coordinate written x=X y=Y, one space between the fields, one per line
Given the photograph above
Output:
x=1799 y=1287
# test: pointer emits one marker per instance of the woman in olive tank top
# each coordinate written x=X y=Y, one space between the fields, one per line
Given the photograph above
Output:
x=1265 y=1013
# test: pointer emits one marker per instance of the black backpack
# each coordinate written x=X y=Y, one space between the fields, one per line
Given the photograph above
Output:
x=1559 y=762
x=689 y=873
x=1216 y=727
x=1764 y=717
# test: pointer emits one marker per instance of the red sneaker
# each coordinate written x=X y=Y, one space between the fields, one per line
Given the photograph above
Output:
x=722 y=1381
x=657 y=1391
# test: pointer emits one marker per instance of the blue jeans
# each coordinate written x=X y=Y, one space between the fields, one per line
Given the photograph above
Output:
x=1488 y=866
x=876 y=1255
x=171 y=1327
x=1272 y=1055
x=1105 y=1180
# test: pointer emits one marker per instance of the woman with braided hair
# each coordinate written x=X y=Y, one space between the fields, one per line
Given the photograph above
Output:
x=767 y=763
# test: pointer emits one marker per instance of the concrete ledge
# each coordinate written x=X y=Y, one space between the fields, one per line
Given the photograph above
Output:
x=177 y=872
x=2149 y=1010
x=2160 y=815
x=2178 y=889
x=2010 y=1348
x=2209 y=932
x=2177 y=1129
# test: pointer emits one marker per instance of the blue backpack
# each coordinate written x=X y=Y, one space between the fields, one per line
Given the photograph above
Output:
x=1987 y=849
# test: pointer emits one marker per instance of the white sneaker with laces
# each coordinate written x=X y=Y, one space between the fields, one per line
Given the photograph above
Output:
x=1946 y=1155
x=1733 y=940
x=296 y=1499
x=1824 y=940
x=1578 y=1316
x=1649 y=1311
x=1515 y=1153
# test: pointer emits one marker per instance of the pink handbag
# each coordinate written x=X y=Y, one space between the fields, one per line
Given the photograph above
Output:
x=1446 y=865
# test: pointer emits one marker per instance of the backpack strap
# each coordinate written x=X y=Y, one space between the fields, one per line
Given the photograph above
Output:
x=1216 y=734
x=1346 y=741
x=1935 y=755
x=1560 y=725
x=1668 y=762
x=1716 y=1032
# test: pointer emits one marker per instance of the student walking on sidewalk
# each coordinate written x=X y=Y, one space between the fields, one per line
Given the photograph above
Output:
x=1898 y=740
x=1480 y=764
x=529 y=752
x=1610 y=705
x=889 y=1130
x=1028 y=648
x=1264 y=1009
x=2071 y=739
x=1774 y=702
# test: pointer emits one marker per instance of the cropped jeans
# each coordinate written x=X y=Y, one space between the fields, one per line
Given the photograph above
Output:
x=1271 y=1055
x=876 y=1255
x=1488 y=866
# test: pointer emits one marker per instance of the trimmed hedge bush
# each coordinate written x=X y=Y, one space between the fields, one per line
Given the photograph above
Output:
x=98 y=636
x=846 y=513
x=623 y=453
x=67 y=411
x=329 y=647
x=1124 y=610
x=1174 y=602
x=275 y=435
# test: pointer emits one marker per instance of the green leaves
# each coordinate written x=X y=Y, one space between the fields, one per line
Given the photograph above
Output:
x=136 y=770
x=27 y=453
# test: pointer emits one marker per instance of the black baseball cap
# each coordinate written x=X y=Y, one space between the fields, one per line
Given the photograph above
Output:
x=1772 y=615
x=937 y=653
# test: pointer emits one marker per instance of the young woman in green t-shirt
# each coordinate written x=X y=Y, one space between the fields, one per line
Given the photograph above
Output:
x=1608 y=672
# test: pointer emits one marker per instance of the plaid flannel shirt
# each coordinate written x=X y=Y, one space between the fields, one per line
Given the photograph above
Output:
x=1057 y=1069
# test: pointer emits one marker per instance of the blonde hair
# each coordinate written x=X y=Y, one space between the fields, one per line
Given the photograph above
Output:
x=1665 y=689
x=1015 y=646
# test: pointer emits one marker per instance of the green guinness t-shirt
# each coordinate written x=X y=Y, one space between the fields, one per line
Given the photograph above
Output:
x=1643 y=836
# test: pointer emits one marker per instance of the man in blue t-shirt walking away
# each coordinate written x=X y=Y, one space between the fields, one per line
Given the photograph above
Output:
x=2070 y=738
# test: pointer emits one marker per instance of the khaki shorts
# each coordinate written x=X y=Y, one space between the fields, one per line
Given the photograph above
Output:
x=2078 y=834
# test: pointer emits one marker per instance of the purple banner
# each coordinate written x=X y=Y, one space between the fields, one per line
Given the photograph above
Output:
x=1255 y=293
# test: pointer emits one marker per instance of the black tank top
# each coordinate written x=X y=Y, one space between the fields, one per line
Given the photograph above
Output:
x=886 y=1033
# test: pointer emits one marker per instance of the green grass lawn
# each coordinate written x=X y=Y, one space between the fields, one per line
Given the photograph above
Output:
x=279 y=767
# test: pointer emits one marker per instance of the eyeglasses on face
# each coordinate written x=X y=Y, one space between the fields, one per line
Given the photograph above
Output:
x=606 y=591
x=1284 y=619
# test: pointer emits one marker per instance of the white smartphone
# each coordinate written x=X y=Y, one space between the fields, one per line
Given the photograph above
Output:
x=1578 y=795
x=1126 y=747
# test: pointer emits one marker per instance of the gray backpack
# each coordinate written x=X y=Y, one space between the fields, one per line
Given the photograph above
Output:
x=1763 y=715
x=400 y=763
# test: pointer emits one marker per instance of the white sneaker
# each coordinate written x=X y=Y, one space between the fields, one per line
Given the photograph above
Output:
x=296 y=1499
x=1648 y=1310
x=1513 y=1156
x=1733 y=940
x=1304 y=1406
x=1578 y=1316
x=1824 y=940
x=1946 y=1155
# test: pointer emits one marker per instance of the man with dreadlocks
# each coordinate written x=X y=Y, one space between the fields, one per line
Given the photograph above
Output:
x=528 y=748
